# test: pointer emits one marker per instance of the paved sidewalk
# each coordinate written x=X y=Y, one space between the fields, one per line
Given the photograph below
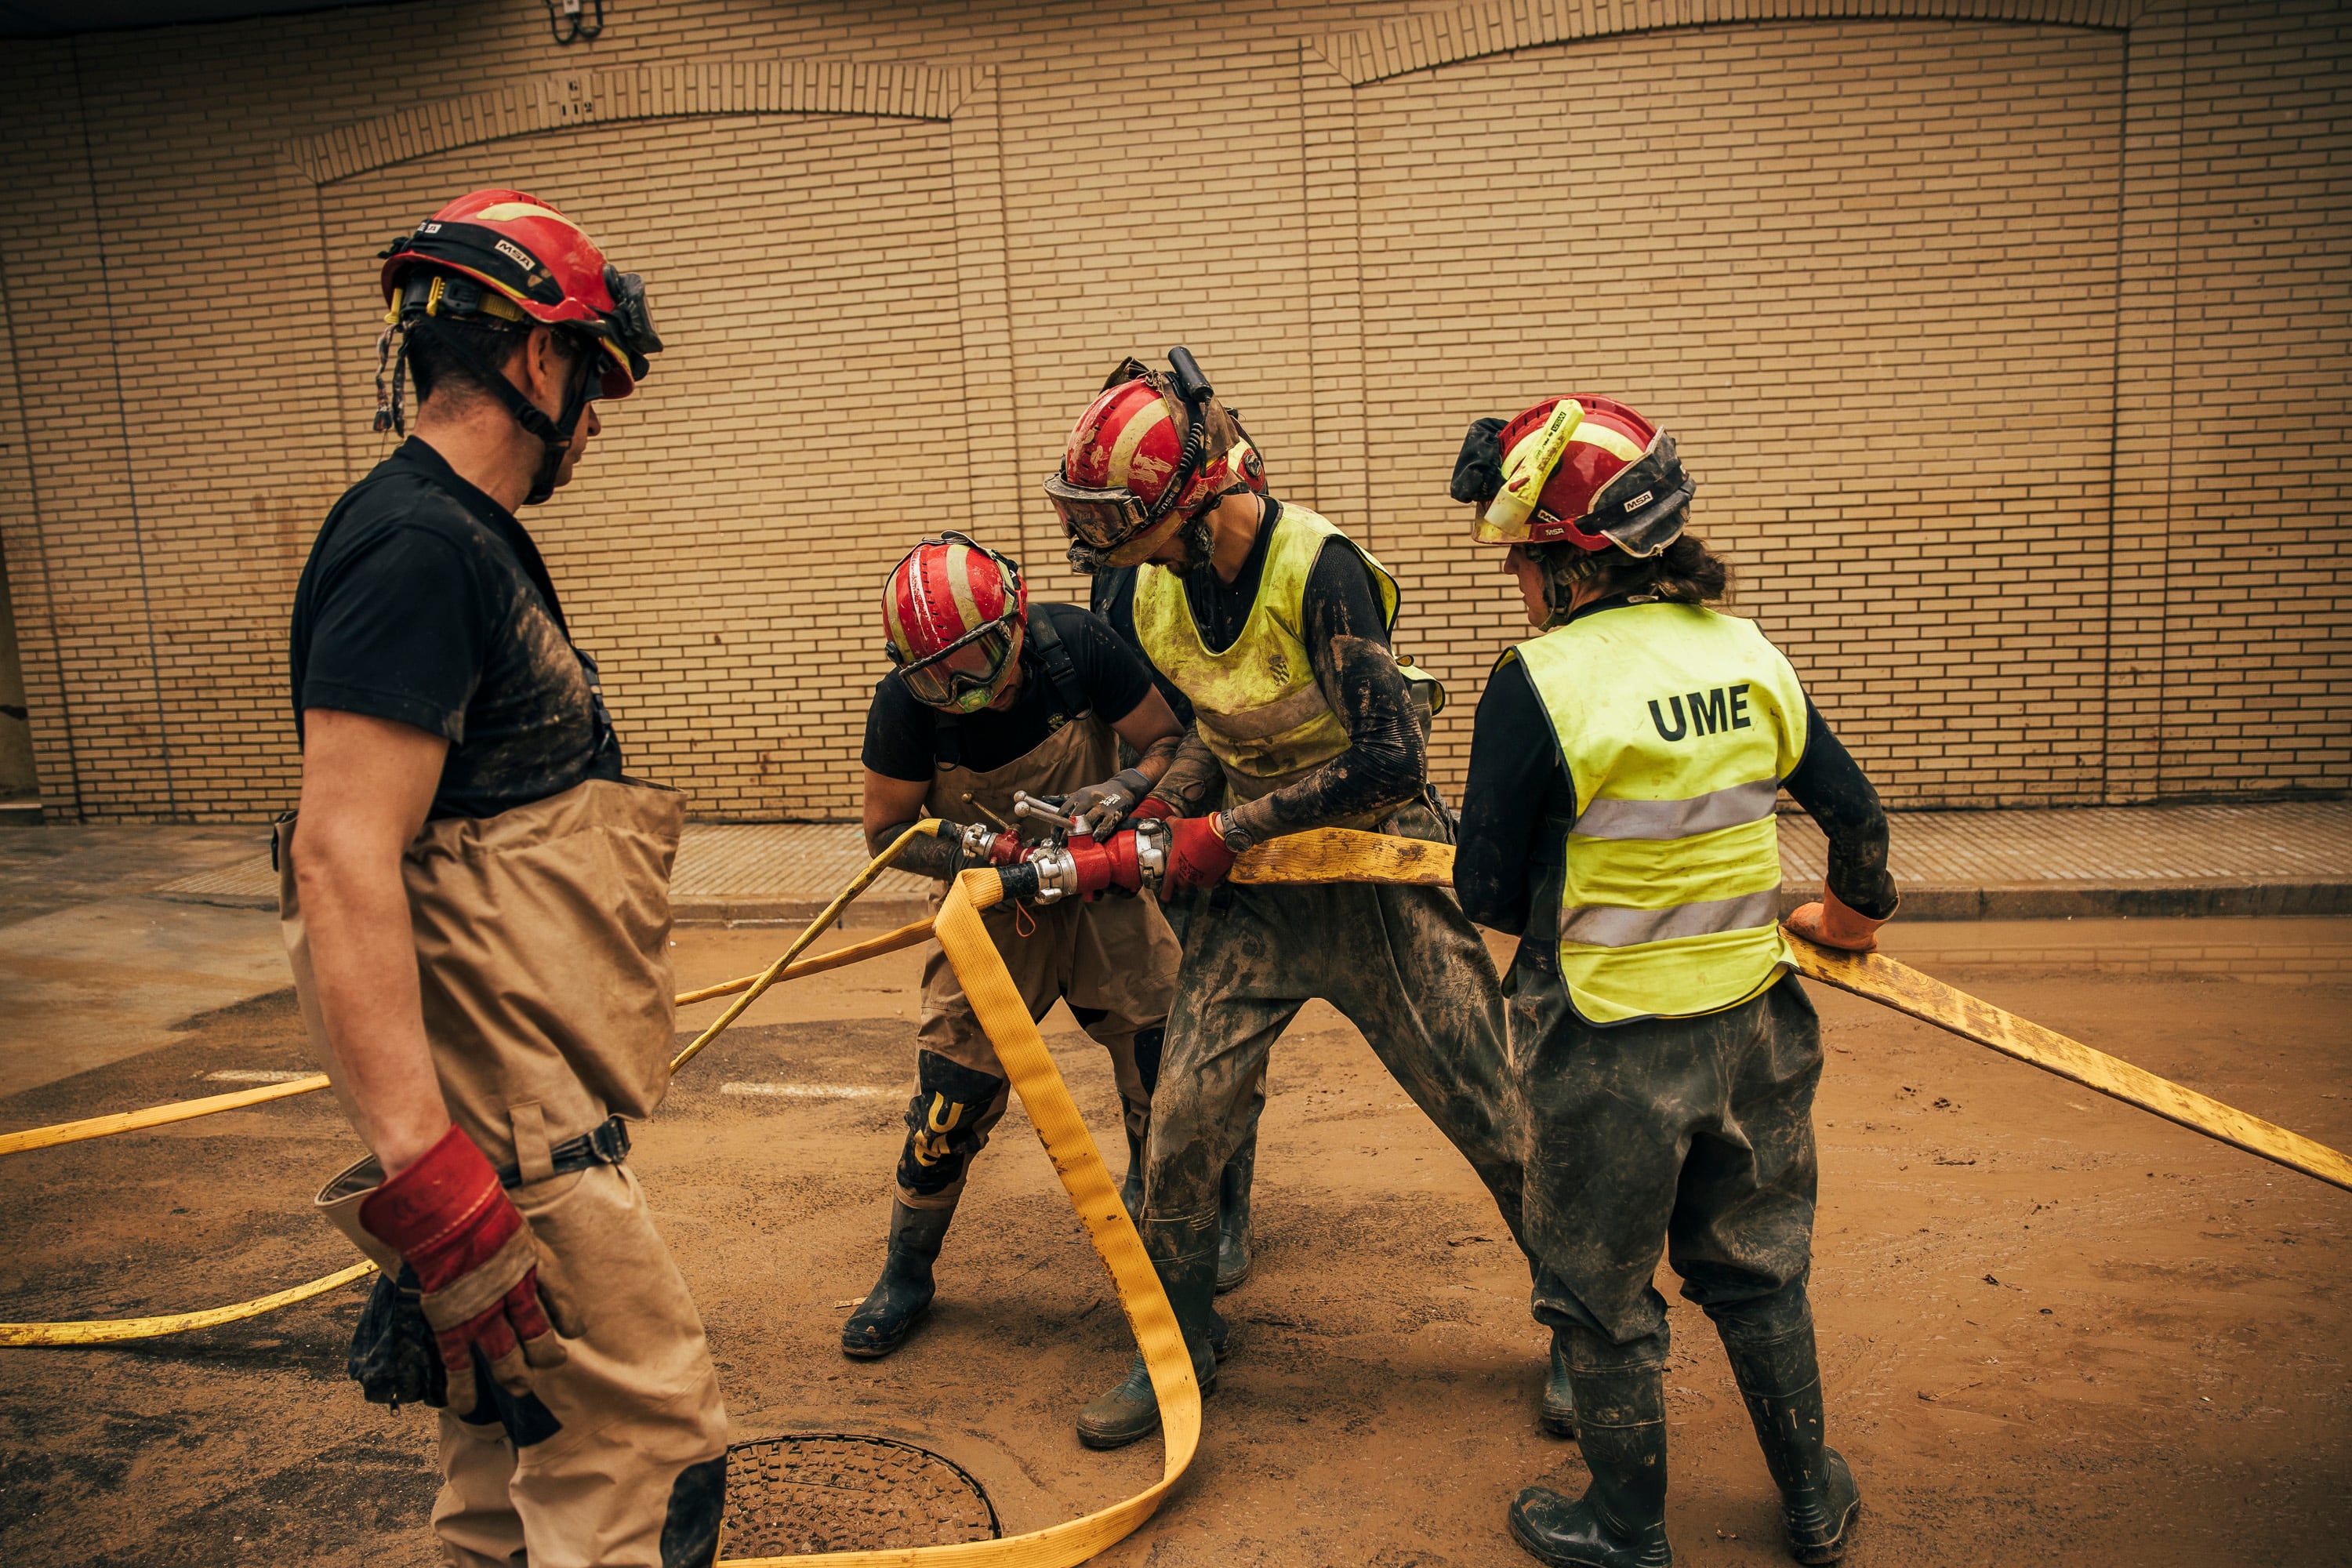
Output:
x=2290 y=858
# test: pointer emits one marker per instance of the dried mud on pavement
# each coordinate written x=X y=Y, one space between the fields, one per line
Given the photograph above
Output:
x=2056 y=1329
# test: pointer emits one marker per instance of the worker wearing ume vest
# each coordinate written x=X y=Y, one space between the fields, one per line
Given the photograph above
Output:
x=994 y=696
x=1618 y=816
x=1276 y=627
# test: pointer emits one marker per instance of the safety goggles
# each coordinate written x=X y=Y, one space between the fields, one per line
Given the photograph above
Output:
x=962 y=675
x=1103 y=519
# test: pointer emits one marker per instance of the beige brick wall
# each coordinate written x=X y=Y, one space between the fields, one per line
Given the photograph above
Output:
x=2011 y=352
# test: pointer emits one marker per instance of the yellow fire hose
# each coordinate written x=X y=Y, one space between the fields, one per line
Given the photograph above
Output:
x=1339 y=855
x=1325 y=856
x=110 y=1331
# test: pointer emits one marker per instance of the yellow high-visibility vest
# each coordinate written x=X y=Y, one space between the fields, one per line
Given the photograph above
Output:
x=1676 y=725
x=1257 y=702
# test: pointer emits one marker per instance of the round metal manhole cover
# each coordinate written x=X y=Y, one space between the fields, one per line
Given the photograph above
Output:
x=830 y=1492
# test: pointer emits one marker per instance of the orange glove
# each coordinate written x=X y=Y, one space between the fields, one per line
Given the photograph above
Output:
x=1832 y=924
x=1197 y=856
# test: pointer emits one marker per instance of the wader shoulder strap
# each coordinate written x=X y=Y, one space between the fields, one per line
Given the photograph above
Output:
x=1054 y=655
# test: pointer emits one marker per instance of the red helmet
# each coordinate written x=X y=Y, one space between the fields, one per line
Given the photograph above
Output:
x=953 y=612
x=534 y=259
x=1588 y=471
x=1148 y=453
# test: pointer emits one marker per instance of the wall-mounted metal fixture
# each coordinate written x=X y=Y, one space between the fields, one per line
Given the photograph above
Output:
x=569 y=21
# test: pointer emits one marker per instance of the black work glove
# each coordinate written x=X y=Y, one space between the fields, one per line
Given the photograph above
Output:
x=1100 y=808
x=1478 y=471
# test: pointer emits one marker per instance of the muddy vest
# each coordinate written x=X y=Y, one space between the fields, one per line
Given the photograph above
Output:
x=1257 y=703
x=1676 y=725
x=542 y=962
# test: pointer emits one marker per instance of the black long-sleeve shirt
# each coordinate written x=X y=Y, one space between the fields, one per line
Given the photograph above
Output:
x=1518 y=803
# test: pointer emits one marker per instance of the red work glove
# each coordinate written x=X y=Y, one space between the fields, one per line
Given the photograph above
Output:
x=1197 y=856
x=474 y=1255
x=1152 y=807
x=1832 y=924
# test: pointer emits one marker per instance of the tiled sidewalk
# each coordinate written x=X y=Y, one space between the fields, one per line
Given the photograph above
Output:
x=2281 y=859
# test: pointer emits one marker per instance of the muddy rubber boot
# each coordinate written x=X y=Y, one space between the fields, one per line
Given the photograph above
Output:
x=1780 y=1379
x=1131 y=1410
x=1558 y=1414
x=1234 y=1261
x=903 y=1294
x=1130 y=1190
x=1620 y=1521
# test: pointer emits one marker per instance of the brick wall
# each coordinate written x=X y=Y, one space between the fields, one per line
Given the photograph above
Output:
x=2007 y=337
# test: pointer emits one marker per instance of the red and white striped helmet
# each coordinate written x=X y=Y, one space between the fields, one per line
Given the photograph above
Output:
x=1588 y=471
x=1135 y=469
x=953 y=610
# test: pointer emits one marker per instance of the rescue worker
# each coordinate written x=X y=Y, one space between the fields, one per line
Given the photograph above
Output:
x=476 y=904
x=1618 y=818
x=1111 y=595
x=994 y=696
x=1276 y=627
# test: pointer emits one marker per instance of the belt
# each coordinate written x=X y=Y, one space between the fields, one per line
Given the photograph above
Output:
x=607 y=1145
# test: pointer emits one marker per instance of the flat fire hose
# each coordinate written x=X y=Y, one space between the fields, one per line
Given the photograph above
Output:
x=112 y=1331
x=1021 y=1051
x=1340 y=855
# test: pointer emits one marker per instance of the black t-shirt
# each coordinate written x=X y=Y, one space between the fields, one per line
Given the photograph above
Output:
x=902 y=734
x=1518 y=802
x=425 y=602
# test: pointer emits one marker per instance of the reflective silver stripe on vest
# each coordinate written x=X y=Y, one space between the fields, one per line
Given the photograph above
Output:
x=1678 y=818
x=1263 y=723
x=1613 y=925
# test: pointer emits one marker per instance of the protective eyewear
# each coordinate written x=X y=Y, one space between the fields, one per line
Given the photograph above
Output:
x=1103 y=519
x=963 y=675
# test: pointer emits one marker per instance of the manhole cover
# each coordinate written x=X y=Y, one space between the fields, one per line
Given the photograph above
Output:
x=828 y=1492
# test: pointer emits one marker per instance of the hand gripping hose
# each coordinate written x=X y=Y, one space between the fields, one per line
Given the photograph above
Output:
x=1339 y=855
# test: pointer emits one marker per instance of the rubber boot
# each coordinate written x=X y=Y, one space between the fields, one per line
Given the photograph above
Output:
x=1780 y=1379
x=1186 y=1259
x=903 y=1294
x=1557 y=1415
x=1233 y=1260
x=1130 y=1190
x=1620 y=1521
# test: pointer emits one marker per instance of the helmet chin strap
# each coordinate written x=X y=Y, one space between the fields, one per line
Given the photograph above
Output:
x=554 y=435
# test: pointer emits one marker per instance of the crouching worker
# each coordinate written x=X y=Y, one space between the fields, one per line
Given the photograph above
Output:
x=475 y=903
x=1619 y=817
x=993 y=697
x=1276 y=625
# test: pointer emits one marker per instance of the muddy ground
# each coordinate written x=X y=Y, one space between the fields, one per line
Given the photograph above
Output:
x=2056 y=1329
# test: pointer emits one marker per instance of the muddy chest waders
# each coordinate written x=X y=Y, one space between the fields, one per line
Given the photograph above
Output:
x=542 y=948
x=1670 y=1067
x=1402 y=963
x=1113 y=960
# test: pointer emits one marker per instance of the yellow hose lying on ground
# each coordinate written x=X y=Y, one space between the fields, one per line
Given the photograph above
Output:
x=1021 y=1050
x=109 y=1330
x=1339 y=855
x=112 y=1331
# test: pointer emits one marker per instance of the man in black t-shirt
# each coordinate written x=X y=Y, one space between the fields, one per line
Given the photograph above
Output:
x=994 y=696
x=477 y=909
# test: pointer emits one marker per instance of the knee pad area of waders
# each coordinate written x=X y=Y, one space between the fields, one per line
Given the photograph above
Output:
x=947 y=1123
x=697 y=1501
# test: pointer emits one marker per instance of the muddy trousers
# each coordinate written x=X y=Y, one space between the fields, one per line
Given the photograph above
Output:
x=1403 y=963
x=618 y=1457
x=1112 y=961
x=1690 y=1138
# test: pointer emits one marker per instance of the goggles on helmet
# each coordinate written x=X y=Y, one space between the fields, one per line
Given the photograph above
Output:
x=1103 y=519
